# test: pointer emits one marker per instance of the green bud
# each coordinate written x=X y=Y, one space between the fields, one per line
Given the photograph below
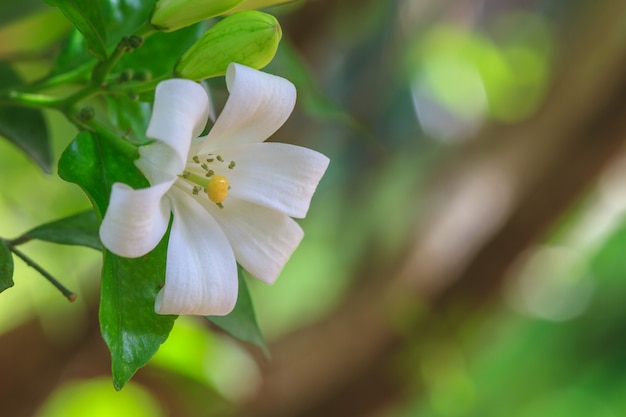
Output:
x=86 y=113
x=125 y=76
x=249 y=38
x=258 y=4
x=169 y=15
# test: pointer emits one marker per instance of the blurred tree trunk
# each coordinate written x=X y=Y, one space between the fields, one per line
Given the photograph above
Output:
x=530 y=172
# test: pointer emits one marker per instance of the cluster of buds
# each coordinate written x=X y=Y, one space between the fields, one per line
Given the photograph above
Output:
x=244 y=36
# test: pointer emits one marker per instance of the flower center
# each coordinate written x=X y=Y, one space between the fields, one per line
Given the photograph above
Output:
x=201 y=173
x=217 y=188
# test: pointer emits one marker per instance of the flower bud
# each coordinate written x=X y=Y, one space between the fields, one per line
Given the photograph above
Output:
x=169 y=15
x=258 y=4
x=249 y=38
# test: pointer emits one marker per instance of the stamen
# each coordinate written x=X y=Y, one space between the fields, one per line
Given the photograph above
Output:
x=219 y=158
x=196 y=190
x=210 y=160
x=204 y=167
x=231 y=165
x=220 y=205
x=186 y=174
x=209 y=173
x=217 y=189
x=196 y=159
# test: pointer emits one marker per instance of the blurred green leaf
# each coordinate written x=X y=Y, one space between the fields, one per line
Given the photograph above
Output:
x=24 y=127
x=310 y=96
x=73 y=397
x=6 y=266
x=130 y=327
x=80 y=229
x=89 y=20
x=73 y=56
x=241 y=323
x=13 y=10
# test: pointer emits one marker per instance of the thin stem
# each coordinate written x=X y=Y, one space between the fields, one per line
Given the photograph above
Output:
x=119 y=142
x=102 y=69
x=18 y=98
x=19 y=240
x=127 y=44
x=80 y=73
x=138 y=87
x=90 y=90
x=66 y=293
x=27 y=97
x=145 y=30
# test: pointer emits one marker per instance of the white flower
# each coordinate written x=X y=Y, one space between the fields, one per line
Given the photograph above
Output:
x=231 y=195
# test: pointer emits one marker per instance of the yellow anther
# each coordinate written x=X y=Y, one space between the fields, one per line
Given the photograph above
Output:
x=217 y=189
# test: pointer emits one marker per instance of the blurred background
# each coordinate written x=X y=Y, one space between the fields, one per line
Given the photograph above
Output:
x=465 y=254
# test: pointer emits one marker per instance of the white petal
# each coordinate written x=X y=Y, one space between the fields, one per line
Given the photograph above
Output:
x=135 y=220
x=201 y=271
x=158 y=162
x=258 y=105
x=276 y=175
x=180 y=112
x=262 y=239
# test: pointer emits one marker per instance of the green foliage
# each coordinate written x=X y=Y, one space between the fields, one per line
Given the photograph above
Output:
x=89 y=21
x=141 y=61
x=96 y=162
x=130 y=327
x=120 y=18
x=24 y=127
x=6 y=266
x=103 y=80
x=241 y=323
x=80 y=229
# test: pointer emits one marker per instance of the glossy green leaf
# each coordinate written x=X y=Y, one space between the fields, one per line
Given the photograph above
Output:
x=131 y=329
x=121 y=18
x=95 y=163
x=80 y=229
x=24 y=127
x=241 y=323
x=130 y=116
x=6 y=267
x=88 y=18
x=168 y=47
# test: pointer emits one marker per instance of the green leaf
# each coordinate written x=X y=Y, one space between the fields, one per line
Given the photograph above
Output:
x=95 y=163
x=24 y=127
x=131 y=329
x=88 y=18
x=121 y=18
x=6 y=266
x=241 y=323
x=79 y=229
x=168 y=47
x=130 y=116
